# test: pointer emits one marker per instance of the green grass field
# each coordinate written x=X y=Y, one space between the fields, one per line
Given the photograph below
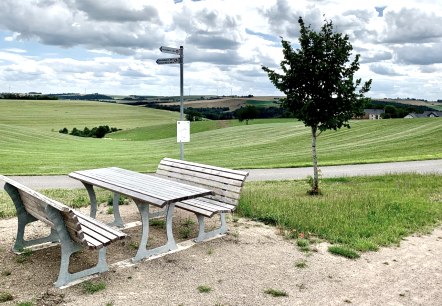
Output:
x=31 y=145
x=362 y=213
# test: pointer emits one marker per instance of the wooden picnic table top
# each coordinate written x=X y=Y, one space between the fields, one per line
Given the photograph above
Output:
x=147 y=188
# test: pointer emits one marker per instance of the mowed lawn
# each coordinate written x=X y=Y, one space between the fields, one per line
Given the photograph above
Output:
x=31 y=145
x=362 y=213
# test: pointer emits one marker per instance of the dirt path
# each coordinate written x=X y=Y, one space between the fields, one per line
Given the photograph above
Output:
x=238 y=268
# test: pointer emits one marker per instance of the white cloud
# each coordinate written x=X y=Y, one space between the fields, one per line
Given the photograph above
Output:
x=225 y=43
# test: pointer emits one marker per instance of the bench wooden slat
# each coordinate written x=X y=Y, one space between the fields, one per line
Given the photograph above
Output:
x=195 y=209
x=237 y=174
x=92 y=243
x=109 y=233
x=205 y=176
x=89 y=233
x=213 y=203
x=199 y=181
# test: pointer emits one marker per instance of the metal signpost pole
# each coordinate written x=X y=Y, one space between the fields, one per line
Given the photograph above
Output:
x=181 y=97
x=183 y=127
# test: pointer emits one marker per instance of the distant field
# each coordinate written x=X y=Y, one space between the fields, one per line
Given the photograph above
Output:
x=431 y=104
x=231 y=103
x=30 y=142
x=55 y=115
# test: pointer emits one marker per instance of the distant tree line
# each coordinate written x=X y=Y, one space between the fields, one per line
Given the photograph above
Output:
x=396 y=110
x=16 y=96
x=89 y=97
x=223 y=113
x=95 y=132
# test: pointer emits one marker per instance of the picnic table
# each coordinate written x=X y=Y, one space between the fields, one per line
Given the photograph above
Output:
x=145 y=190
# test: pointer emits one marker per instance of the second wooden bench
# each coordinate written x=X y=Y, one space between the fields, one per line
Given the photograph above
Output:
x=226 y=183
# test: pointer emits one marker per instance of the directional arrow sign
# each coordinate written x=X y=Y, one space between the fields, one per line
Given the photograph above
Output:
x=170 y=50
x=165 y=61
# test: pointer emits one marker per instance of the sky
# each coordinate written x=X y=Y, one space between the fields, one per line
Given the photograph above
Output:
x=111 y=47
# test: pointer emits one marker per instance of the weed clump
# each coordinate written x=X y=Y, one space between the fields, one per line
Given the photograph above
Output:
x=275 y=292
x=343 y=251
x=91 y=287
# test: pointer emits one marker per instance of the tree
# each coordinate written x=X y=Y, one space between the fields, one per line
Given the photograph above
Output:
x=390 y=111
x=318 y=81
x=247 y=113
x=193 y=115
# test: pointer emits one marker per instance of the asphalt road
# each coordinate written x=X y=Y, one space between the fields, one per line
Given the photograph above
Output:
x=426 y=166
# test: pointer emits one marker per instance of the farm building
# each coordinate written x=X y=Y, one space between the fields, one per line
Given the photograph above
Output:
x=426 y=114
x=373 y=114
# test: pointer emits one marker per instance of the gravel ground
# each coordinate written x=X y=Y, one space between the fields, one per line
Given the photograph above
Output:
x=238 y=268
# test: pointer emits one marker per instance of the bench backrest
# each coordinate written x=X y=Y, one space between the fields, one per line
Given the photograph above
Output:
x=226 y=183
x=81 y=228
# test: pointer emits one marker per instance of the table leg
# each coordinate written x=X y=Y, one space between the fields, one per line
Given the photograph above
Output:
x=170 y=245
x=93 y=198
x=116 y=207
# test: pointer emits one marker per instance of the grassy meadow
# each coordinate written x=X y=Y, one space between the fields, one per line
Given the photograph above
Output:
x=31 y=145
x=360 y=213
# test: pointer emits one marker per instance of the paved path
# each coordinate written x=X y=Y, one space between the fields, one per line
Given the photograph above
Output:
x=426 y=166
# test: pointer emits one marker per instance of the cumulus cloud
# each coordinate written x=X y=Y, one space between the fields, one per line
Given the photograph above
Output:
x=411 y=25
x=377 y=56
x=419 y=54
x=117 y=11
x=209 y=28
x=73 y=23
x=384 y=69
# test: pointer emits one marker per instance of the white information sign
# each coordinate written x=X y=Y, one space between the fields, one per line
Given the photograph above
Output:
x=183 y=131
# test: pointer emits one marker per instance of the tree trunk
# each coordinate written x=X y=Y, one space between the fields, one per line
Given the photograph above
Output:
x=315 y=185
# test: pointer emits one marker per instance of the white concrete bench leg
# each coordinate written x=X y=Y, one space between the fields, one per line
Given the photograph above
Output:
x=69 y=247
x=203 y=235
x=170 y=245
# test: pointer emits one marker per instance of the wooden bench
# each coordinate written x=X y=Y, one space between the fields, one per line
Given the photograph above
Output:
x=226 y=184
x=71 y=228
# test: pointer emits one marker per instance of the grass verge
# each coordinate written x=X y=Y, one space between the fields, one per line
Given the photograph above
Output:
x=360 y=213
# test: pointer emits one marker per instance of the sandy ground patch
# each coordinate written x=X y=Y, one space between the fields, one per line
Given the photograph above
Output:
x=238 y=268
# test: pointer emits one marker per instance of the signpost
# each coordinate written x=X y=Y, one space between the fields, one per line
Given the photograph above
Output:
x=182 y=128
x=173 y=60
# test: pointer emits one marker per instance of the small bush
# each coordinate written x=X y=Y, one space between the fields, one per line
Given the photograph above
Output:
x=24 y=256
x=204 y=289
x=121 y=200
x=301 y=264
x=158 y=223
x=185 y=232
x=275 y=292
x=25 y=304
x=91 y=287
x=343 y=251
x=6 y=273
x=188 y=222
x=5 y=296
x=134 y=245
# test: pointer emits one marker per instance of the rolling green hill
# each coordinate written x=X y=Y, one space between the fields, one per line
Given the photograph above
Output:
x=30 y=142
